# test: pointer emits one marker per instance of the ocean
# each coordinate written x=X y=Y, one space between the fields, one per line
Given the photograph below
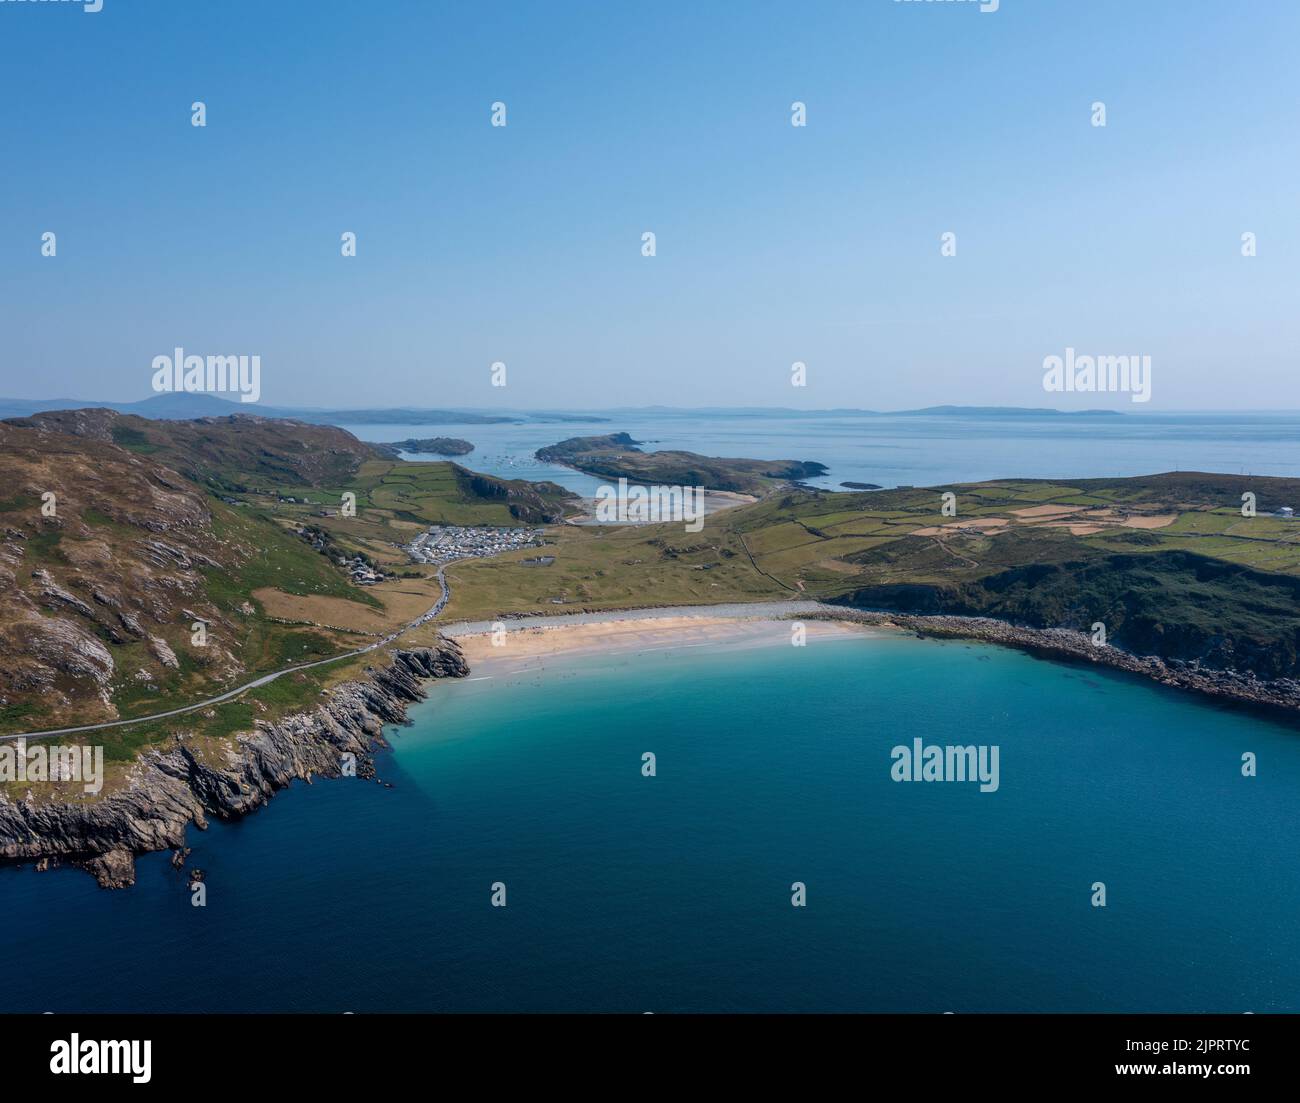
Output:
x=672 y=893
x=891 y=451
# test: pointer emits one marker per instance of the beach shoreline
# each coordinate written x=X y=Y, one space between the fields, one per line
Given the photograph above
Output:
x=536 y=638
x=489 y=651
x=176 y=790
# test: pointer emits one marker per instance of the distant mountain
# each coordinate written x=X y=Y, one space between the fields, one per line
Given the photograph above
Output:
x=163 y=406
x=394 y=416
x=173 y=407
x=21 y=407
x=183 y=407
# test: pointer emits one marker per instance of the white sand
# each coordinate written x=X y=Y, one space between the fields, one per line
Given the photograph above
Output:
x=634 y=635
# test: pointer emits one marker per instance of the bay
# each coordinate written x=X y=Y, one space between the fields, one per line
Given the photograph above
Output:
x=673 y=893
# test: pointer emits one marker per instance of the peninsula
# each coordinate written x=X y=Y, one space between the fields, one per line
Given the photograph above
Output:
x=618 y=456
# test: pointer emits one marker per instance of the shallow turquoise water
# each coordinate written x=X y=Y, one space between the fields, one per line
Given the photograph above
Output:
x=672 y=893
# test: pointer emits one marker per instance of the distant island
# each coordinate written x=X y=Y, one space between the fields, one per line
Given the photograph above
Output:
x=789 y=413
x=433 y=446
x=999 y=411
x=618 y=456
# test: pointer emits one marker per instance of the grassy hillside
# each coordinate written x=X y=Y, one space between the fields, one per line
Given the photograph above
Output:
x=446 y=493
x=232 y=522
x=611 y=568
x=103 y=591
x=233 y=453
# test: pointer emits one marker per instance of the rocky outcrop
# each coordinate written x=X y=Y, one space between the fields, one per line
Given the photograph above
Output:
x=533 y=503
x=169 y=790
x=163 y=653
x=59 y=646
x=132 y=624
x=1244 y=687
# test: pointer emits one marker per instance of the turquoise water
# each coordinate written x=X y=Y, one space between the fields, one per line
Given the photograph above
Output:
x=672 y=893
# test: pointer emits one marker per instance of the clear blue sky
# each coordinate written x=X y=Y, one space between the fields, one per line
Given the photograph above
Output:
x=775 y=244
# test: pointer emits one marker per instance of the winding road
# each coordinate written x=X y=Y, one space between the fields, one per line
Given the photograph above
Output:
x=265 y=679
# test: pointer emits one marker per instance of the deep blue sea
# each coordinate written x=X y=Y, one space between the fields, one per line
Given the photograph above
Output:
x=917 y=451
x=672 y=893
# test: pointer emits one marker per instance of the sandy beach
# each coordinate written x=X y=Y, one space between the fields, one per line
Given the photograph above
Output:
x=630 y=634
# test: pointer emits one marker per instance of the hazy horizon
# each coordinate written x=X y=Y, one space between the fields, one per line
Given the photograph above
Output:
x=259 y=408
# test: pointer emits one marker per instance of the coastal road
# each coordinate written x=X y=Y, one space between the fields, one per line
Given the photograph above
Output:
x=265 y=679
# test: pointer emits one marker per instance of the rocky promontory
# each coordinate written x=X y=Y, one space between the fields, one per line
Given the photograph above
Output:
x=1070 y=644
x=168 y=790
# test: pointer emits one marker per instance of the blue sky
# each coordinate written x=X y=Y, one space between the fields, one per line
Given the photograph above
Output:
x=775 y=244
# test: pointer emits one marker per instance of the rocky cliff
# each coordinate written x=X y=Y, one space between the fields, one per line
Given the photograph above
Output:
x=170 y=789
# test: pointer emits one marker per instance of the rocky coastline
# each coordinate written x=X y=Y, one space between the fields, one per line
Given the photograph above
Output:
x=1280 y=696
x=170 y=789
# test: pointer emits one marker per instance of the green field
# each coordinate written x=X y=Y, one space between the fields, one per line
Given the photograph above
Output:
x=1168 y=563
